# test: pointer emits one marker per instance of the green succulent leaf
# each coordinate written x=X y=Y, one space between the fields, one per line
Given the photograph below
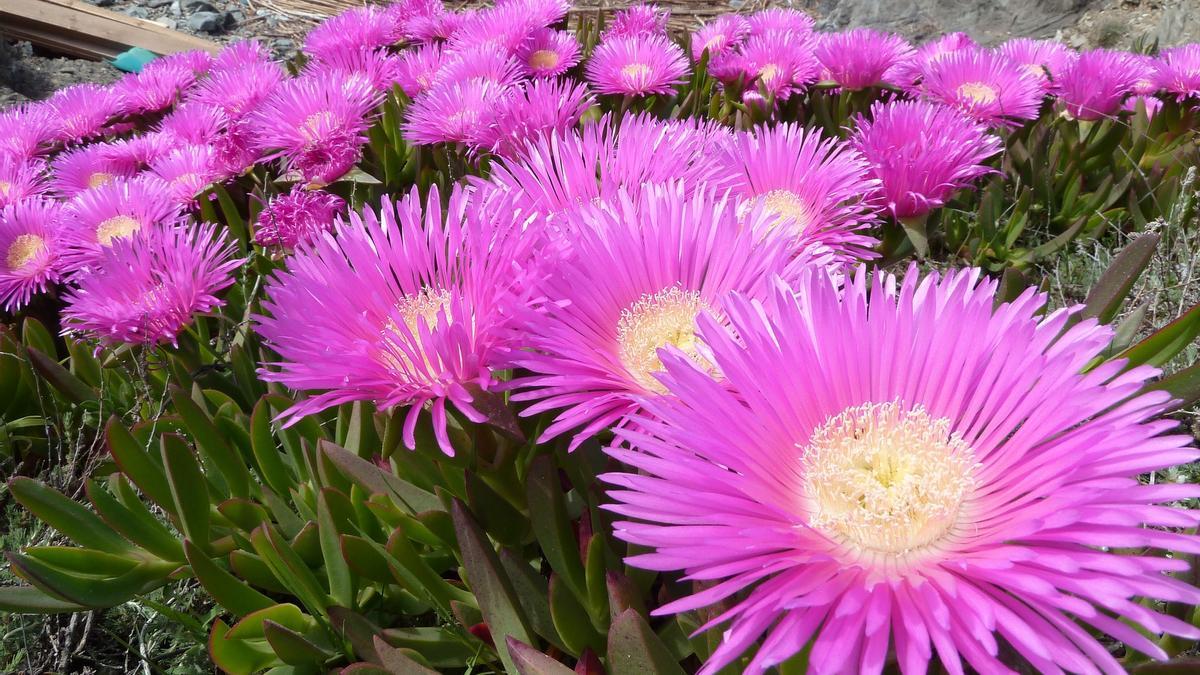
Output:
x=552 y=526
x=1109 y=293
x=211 y=444
x=189 y=490
x=530 y=661
x=32 y=600
x=227 y=590
x=494 y=591
x=69 y=517
x=634 y=649
x=377 y=481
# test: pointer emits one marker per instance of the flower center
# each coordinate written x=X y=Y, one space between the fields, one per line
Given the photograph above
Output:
x=5 y=186
x=978 y=92
x=768 y=73
x=117 y=227
x=636 y=71
x=787 y=205
x=99 y=178
x=667 y=317
x=314 y=124
x=543 y=59
x=885 y=481
x=23 y=250
x=412 y=310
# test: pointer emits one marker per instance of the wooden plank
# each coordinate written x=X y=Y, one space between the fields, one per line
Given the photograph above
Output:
x=80 y=29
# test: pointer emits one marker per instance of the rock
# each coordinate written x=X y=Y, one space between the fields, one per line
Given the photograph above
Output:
x=136 y=12
x=156 y=4
x=989 y=21
x=196 y=6
x=238 y=15
x=175 y=10
x=282 y=45
x=206 y=22
x=102 y=3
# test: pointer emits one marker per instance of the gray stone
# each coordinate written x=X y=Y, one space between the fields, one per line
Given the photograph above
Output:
x=193 y=6
x=136 y=12
x=156 y=4
x=206 y=22
x=988 y=21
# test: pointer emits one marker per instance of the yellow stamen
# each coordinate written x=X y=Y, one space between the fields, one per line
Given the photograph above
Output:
x=886 y=482
x=5 y=186
x=117 y=227
x=99 y=178
x=667 y=317
x=636 y=71
x=23 y=250
x=412 y=311
x=543 y=59
x=787 y=205
x=768 y=73
x=978 y=92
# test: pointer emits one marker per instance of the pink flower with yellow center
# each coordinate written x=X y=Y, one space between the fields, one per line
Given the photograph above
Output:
x=548 y=53
x=30 y=250
x=864 y=485
x=409 y=308
x=636 y=66
x=146 y=289
x=985 y=85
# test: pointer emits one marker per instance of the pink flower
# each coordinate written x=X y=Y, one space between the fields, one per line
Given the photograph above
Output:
x=20 y=180
x=29 y=250
x=1046 y=60
x=720 y=37
x=534 y=109
x=146 y=289
x=816 y=188
x=485 y=63
x=548 y=53
x=861 y=58
x=409 y=307
x=357 y=29
x=29 y=130
x=564 y=172
x=637 y=21
x=318 y=125
x=909 y=72
x=356 y=70
x=1095 y=85
x=985 y=85
x=922 y=153
x=780 y=20
x=462 y=112
x=502 y=28
x=296 y=218
x=778 y=65
x=83 y=110
x=1178 y=71
x=240 y=54
x=638 y=274
x=158 y=87
x=416 y=69
x=239 y=88
x=86 y=167
x=187 y=172
x=120 y=209
x=864 y=484
x=192 y=124
x=637 y=66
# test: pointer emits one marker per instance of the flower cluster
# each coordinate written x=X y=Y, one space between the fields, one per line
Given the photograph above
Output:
x=813 y=443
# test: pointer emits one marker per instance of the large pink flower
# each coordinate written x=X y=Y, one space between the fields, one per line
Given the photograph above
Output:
x=637 y=65
x=1095 y=85
x=985 y=85
x=1178 y=71
x=862 y=57
x=638 y=273
x=816 y=187
x=922 y=153
x=863 y=482
x=30 y=250
x=405 y=308
x=146 y=289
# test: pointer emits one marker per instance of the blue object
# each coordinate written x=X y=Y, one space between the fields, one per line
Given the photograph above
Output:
x=134 y=59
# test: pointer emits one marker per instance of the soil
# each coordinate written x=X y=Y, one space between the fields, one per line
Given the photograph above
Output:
x=26 y=73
